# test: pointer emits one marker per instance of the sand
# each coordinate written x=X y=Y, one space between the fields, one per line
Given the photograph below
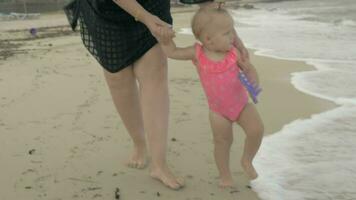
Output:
x=61 y=138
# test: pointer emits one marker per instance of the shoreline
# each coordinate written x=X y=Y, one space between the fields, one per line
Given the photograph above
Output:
x=58 y=107
x=289 y=92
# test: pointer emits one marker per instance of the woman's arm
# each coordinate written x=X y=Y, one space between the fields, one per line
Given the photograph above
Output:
x=134 y=9
x=153 y=23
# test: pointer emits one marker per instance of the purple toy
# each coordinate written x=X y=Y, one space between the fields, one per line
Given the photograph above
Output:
x=252 y=90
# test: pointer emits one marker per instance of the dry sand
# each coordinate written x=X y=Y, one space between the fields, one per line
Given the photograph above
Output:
x=61 y=138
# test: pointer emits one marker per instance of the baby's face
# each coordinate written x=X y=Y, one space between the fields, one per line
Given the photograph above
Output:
x=222 y=37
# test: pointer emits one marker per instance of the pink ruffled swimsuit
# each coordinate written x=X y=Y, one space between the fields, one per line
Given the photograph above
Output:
x=224 y=91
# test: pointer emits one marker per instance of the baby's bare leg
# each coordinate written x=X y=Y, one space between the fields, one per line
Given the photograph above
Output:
x=223 y=137
x=251 y=123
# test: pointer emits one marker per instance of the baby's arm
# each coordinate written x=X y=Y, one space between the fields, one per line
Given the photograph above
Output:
x=172 y=51
x=247 y=67
x=241 y=47
x=244 y=60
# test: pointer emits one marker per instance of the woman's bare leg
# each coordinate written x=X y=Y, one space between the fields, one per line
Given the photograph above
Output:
x=223 y=137
x=124 y=92
x=251 y=123
x=151 y=73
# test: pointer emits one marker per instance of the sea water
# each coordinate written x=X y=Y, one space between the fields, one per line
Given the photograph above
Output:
x=314 y=158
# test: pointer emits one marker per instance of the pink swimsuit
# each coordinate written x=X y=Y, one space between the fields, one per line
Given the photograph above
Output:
x=224 y=91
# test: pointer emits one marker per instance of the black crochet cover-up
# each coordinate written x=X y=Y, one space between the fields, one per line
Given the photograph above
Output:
x=112 y=35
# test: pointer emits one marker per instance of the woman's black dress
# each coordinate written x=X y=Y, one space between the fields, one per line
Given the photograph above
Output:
x=112 y=35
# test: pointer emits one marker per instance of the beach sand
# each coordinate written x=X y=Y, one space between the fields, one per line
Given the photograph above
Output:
x=61 y=138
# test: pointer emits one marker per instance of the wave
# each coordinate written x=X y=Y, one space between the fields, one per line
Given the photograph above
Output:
x=345 y=22
x=310 y=159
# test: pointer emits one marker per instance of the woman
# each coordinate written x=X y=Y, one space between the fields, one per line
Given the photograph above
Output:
x=119 y=34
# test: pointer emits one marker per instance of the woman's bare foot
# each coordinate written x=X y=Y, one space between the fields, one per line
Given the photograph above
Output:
x=226 y=183
x=138 y=159
x=167 y=178
x=249 y=169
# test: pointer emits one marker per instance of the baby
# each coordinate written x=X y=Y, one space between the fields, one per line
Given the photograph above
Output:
x=218 y=64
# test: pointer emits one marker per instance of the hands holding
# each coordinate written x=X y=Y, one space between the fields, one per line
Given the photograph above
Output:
x=161 y=30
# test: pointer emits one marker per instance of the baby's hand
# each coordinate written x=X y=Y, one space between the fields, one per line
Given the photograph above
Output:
x=249 y=70
x=251 y=88
x=252 y=75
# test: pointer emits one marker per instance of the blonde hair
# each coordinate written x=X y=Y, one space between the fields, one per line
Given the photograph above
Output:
x=205 y=17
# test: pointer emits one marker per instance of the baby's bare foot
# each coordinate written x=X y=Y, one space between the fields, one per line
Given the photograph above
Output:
x=138 y=158
x=226 y=183
x=167 y=178
x=249 y=169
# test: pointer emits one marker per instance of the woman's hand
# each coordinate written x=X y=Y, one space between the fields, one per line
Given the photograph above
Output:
x=157 y=27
